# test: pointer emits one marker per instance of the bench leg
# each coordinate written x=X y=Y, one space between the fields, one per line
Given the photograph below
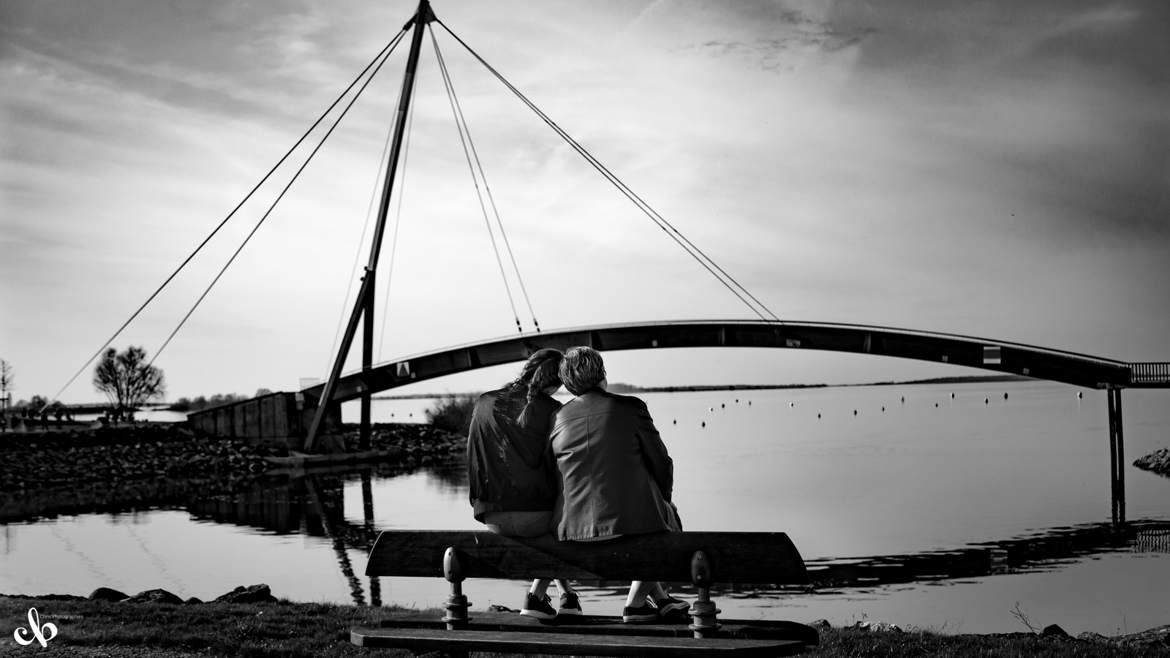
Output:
x=457 y=604
x=703 y=615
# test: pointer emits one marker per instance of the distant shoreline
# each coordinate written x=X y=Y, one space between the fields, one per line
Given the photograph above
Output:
x=630 y=388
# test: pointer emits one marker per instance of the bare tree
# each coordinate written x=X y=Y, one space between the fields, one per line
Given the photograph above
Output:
x=5 y=387
x=127 y=378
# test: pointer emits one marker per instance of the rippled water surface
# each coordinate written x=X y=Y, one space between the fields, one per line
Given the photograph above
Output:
x=857 y=476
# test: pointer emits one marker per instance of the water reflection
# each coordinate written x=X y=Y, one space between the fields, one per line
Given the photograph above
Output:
x=313 y=505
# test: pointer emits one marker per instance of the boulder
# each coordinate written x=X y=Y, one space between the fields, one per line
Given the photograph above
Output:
x=251 y=594
x=154 y=596
x=108 y=594
x=1053 y=630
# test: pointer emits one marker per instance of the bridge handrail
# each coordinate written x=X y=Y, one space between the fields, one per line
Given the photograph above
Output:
x=782 y=323
x=1149 y=372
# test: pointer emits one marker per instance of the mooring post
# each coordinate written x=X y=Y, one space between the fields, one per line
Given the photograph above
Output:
x=1116 y=455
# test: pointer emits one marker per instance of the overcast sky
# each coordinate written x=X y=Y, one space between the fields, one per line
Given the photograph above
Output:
x=998 y=169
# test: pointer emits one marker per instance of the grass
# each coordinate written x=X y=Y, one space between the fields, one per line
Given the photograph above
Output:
x=303 y=630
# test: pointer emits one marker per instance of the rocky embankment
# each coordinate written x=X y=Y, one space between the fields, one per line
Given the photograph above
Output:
x=1156 y=462
x=115 y=468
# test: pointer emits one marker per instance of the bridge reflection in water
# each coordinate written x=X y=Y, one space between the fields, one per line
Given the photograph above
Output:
x=313 y=505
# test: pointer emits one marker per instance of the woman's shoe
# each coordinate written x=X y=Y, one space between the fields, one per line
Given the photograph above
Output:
x=538 y=607
x=570 y=604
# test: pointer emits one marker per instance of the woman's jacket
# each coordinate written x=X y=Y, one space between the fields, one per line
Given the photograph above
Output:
x=509 y=464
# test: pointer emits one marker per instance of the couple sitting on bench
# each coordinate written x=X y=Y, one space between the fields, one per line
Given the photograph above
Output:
x=591 y=470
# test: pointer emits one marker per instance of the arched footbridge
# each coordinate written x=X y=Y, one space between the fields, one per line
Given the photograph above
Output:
x=287 y=416
x=1005 y=357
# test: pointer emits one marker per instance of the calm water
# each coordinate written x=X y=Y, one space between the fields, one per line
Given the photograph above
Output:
x=948 y=468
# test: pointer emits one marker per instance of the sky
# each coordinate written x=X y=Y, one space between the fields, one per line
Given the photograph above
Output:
x=997 y=169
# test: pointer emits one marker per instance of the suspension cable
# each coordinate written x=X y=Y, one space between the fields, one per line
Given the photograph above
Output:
x=702 y=258
x=272 y=207
x=464 y=138
x=385 y=51
x=397 y=222
x=483 y=176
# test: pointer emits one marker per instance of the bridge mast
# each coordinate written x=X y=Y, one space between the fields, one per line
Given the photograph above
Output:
x=364 y=304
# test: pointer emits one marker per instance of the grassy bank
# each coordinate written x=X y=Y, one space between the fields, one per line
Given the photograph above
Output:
x=98 y=628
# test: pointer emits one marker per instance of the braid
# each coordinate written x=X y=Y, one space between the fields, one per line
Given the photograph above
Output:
x=540 y=372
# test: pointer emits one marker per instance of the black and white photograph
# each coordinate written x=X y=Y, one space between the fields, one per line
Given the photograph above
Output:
x=584 y=327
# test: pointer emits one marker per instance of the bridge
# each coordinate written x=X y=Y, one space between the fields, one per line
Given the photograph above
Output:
x=995 y=355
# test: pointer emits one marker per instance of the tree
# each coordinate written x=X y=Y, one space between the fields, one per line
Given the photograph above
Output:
x=127 y=378
x=5 y=385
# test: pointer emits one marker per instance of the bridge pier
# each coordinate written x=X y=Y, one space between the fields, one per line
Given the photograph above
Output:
x=1116 y=455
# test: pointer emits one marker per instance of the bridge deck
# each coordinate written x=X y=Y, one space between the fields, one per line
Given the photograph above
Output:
x=999 y=356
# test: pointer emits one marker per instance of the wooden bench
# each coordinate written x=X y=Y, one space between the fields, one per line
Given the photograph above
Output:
x=701 y=558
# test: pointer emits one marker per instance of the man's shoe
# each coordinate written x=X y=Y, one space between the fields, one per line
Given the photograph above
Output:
x=570 y=604
x=671 y=607
x=640 y=614
x=537 y=607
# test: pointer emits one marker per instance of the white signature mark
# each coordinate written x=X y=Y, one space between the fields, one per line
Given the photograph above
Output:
x=35 y=631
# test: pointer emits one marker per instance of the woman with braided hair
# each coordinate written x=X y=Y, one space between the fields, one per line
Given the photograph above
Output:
x=513 y=480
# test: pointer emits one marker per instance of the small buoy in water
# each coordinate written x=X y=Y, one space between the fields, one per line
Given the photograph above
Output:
x=737 y=400
x=818 y=415
x=722 y=406
x=1080 y=394
x=854 y=412
x=985 y=400
x=749 y=403
x=903 y=399
x=883 y=409
x=703 y=424
x=952 y=396
x=936 y=405
x=1005 y=396
x=391 y=414
x=710 y=408
x=412 y=414
x=674 y=422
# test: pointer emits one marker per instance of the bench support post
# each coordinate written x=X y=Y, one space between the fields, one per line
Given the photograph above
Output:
x=457 y=604
x=704 y=622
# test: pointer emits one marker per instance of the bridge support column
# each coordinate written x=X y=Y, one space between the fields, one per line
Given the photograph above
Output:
x=1116 y=455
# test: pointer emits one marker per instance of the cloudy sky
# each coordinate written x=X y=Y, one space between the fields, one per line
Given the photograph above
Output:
x=998 y=169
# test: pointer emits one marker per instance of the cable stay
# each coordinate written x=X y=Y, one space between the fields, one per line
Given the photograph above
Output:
x=272 y=207
x=729 y=282
x=386 y=50
x=461 y=119
x=470 y=154
x=397 y=223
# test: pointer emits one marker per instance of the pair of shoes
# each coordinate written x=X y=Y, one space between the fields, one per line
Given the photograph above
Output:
x=540 y=608
x=537 y=607
x=640 y=614
x=671 y=607
x=570 y=604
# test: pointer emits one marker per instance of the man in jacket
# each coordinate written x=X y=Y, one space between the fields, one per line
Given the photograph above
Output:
x=616 y=474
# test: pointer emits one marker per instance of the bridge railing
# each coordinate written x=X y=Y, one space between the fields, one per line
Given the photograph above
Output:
x=1149 y=372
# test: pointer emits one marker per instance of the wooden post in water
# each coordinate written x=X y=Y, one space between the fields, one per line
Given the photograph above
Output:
x=364 y=305
x=1116 y=455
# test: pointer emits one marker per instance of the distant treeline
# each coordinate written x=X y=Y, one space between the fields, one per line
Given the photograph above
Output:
x=203 y=402
x=618 y=387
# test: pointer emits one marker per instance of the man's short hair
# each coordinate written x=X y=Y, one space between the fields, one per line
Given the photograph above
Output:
x=581 y=369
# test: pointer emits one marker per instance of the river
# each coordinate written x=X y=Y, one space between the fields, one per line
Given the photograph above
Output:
x=850 y=473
